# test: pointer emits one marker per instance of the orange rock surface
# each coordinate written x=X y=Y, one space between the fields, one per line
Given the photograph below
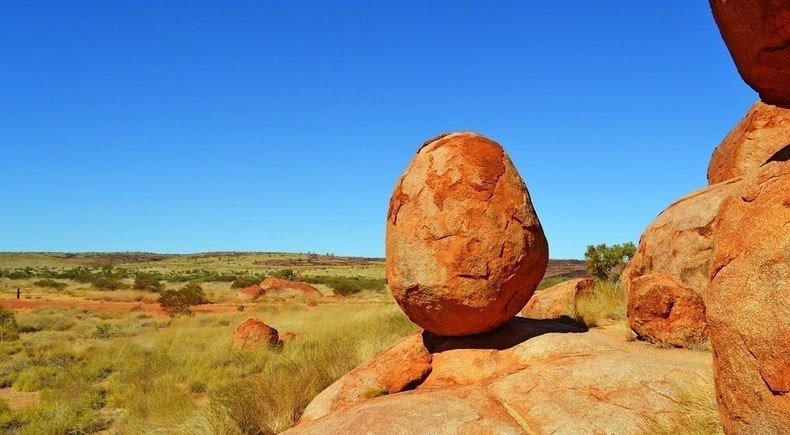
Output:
x=465 y=249
x=749 y=305
x=762 y=135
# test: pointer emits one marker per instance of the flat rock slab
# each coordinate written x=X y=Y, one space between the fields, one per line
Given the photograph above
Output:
x=551 y=382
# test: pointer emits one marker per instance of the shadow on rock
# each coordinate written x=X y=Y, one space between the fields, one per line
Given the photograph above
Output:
x=515 y=331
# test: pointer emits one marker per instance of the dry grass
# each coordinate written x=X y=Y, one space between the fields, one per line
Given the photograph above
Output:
x=605 y=303
x=131 y=373
x=696 y=412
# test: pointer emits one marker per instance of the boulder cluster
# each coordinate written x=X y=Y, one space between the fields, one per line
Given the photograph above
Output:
x=465 y=250
x=716 y=263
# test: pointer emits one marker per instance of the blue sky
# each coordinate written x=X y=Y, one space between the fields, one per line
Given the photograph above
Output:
x=283 y=126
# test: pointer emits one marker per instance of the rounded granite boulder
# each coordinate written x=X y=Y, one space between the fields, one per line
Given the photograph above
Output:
x=465 y=249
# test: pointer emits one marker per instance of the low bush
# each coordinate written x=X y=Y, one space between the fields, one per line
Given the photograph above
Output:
x=244 y=281
x=147 y=282
x=50 y=283
x=175 y=302
x=9 y=330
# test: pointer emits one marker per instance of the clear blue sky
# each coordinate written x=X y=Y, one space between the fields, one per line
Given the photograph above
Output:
x=283 y=125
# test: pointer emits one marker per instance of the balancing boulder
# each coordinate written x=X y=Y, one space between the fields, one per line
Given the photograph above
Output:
x=465 y=250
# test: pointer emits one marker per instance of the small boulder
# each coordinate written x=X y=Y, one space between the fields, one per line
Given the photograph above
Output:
x=278 y=287
x=398 y=368
x=465 y=250
x=761 y=136
x=558 y=300
x=756 y=33
x=249 y=293
x=253 y=333
x=748 y=305
x=661 y=309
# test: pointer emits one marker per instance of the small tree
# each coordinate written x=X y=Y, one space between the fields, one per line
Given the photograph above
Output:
x=175 y=302
x=606 y=262
x=147 y=282
x=8 y=327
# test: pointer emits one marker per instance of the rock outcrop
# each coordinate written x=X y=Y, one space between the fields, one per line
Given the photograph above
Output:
x=249 y=293
x=398 y=368
x=661 y=309
x=549 y=382
x=278 y=287
x=253 y=333
x=749 y=305
x=678 y=243
x=465 y=250
x=557 y=301
x=761 y=136
x=757 y=33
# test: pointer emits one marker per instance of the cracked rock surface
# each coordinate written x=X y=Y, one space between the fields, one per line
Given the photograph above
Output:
x=748 y=306
x=465 y=249
x=556 y=380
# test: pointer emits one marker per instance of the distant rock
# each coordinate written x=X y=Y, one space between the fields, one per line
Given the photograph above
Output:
x=278 y=287
x=557 y=301
x=465 y=249
x=749 y=305
x=249 y=293
x=757 y=33
x=253 y=333
x=678 y=243
x=761 y=136
x=398 y=368
x=661 y=309
x=550 y=382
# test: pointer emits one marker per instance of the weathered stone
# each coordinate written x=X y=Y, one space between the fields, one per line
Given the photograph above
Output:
x=763 y=135
x=557 y=301
x=464 y=411
x=748 y=305
x=278 y=287
x=757 y=33
x=679 y=242
x=249 y=293
x=398 y=368
x=548 y=382
x=465 y=249
x=661 y=309
x=253 y=333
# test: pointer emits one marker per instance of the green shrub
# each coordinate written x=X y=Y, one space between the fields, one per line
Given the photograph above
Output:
x=606 y=262
x=147 y=282
x=9 y=330
x=51 y=283
x=175 y=302
x=244 y=281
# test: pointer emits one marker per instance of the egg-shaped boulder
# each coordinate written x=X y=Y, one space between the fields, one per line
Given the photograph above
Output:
x=465 y=249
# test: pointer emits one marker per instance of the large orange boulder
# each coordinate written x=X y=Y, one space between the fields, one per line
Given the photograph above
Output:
x=274 y=287
x=465 y=250
x=757 y=33
x=661 y=309
x=559 y=300
x=679 y=242
x=749 y=305
x=675 y=254
x=761 y=136
x=253 y=333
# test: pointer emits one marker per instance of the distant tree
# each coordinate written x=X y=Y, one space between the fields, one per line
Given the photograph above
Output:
x=147 y=282
x=175 y=302
x=8 y=327
x=606 y=262
x=285 y=274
